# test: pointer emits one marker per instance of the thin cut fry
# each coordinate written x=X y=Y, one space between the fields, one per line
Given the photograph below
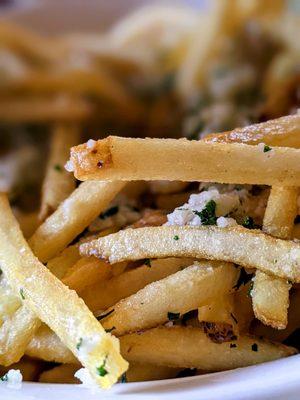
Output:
x=72 y=217
x=43 y=110
x=220 y=310
x=195 y=350
x=284 y=131
x=116 y=158
x=58 y=183
x=69 y=318
x=60 y=374
x=176 y=294
x=103 y=295
x=270 y=295
x=61 y=264
x=149 y=372
x=271 y=255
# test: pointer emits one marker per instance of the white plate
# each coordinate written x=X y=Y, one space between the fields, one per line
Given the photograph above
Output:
x=275 y=380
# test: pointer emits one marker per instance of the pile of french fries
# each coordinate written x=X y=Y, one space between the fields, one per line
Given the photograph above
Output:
x=94 y=277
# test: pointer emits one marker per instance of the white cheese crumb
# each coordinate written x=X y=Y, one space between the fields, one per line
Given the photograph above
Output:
x=87 y=345
x=69 y=166
x=13 y=379
x=90 y=143
x=87 y=381
x=223 y=222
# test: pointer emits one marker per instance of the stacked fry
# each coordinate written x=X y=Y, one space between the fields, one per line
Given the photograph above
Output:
x=150 y=258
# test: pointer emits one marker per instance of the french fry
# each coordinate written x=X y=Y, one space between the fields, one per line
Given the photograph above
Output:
x=69 y=318
x=220 y=310
x=195 y=350
x=282 y=131
x=72 y=217
x=176 y=294
x=43 y=110
x=171 y=201
x=275 y=256
x=58 y=183
x=29 y=368
x=293 y=322
x=47 y=346
x=103 y=295
x=149 y=372
x=61 y=264
x=28 y=222
x=182 y=159
x=270 y=295
x=15 y=334
x=243 y=308
x=61 y=374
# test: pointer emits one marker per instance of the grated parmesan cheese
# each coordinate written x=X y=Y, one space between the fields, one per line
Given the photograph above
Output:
x=13 y=379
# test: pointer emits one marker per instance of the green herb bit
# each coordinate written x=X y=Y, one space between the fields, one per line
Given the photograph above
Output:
x=22 y=294
x=148 y=262
x=208 y=214
x=249 y=293
x=110 y=329
x=105 y=315
x=4 y=378
x=102 y=371
x=254 y=347
x=109 y=212
x=78 y=345
x=1 y=272
x=248 y=223
x=173 y=316
x=58 y=168
x=124 y=378
x=267 y=148
x=176 y=237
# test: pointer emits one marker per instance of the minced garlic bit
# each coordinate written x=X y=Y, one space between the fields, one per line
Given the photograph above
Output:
x=13 y=379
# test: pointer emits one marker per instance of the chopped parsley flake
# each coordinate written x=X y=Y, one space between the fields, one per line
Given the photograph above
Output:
x=22 y=294
x=243 y=279
x=102 y=371
x=208 y=214
x=248 y=223
x=176 y=237
x=124 y=378
x=78 y=345
x=148 y=262
x=232 y=345
x=110 y=329
x=58 y=168
x=1 y=272
x=4 y=378
x=105 y=315
x=249 y=293
x=267 y=148
x=254 y=347
x=109 y=212
x=173 y=316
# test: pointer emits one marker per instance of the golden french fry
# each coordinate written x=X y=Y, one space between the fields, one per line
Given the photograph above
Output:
x=43 y=110
x=69 y=318
x=243 y=308
x=195 y=350
x=282 y=131
x=171 y=201
x=61 y=374
x=72 y=217
x=149 y=372
x=182 y=159
x=220 y=310
x=28 y=222
x=61 y=264
x=103 y=295
x=29 y=368
x=171 y=297
x=58 y=183
x=47 y=346
x=270 y=295
x=276 y=256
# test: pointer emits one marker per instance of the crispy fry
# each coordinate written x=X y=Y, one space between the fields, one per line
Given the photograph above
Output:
x=29 y=368
x=195 y=350
x=271 y=255
x=284 y=131
x=220 y=310
x=28 y=222
x=69 y=318
x=270 y=295
x=60 y=374
x=176 y=294
x=60 y=265
x=185 y=160
x=149 y=372
x=58 y=183
x=43 y=110
x=72 y=217
x=103 y=295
